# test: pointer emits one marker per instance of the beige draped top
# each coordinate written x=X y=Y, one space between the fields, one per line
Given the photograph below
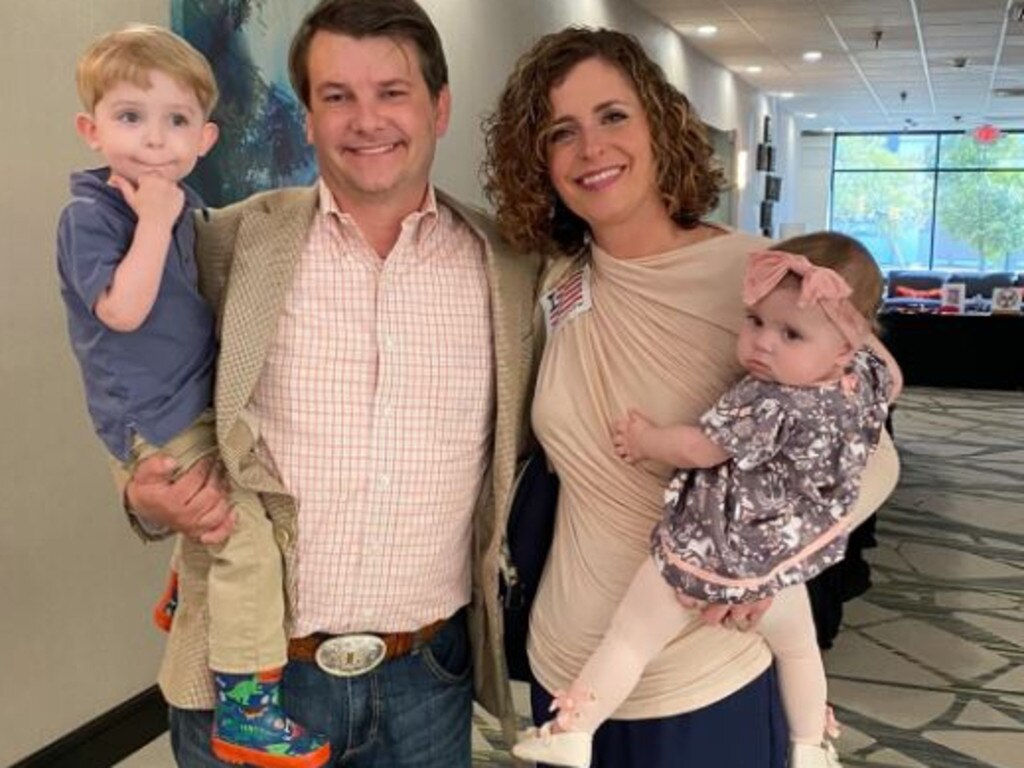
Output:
x=659 y=335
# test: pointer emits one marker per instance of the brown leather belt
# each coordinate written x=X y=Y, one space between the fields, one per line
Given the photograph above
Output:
x=396 y=644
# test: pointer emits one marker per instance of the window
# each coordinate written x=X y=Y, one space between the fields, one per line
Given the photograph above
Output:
x=890 y=212
x=932 y=200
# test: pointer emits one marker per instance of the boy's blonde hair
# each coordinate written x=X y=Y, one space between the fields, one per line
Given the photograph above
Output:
x=131 y=53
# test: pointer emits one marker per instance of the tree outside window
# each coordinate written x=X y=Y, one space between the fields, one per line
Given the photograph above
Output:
x=980 y=212
x=883 y=199
x=887 y=188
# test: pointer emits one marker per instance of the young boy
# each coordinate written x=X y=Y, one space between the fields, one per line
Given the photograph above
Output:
x=144 y=338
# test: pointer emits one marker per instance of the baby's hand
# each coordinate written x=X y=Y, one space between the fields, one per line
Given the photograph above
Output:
x=154 y=199
x=628 y=436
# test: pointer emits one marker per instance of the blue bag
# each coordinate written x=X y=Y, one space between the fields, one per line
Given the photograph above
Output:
x=531 y=524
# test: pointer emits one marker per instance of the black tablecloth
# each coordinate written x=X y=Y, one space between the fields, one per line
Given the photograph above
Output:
x=969 y=351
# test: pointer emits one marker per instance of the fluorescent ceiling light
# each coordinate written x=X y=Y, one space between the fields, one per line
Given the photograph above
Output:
x=786 y=95
x=754 y=69
x=811 y=115
x=707 y=30
x=812 y=56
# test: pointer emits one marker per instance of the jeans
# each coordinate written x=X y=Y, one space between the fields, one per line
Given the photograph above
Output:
x=412 y=712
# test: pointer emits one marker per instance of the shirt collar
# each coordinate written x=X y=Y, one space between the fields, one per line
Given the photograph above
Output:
x=424 y=219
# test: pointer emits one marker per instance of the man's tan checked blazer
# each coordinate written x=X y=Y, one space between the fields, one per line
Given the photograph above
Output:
x=246 y=254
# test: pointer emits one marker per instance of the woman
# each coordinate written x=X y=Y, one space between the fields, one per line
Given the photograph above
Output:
x=592 y=154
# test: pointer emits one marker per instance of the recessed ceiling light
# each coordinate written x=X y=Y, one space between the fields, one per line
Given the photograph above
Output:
x=829 y=129
x=811 y=115
x=707 y=30
x=754 y=69
x=812 y=55
x=786 y=95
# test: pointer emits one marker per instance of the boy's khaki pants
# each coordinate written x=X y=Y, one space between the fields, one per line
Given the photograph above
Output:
x=245 y=587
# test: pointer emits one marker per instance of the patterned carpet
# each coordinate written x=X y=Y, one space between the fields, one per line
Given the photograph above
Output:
x=929 y=667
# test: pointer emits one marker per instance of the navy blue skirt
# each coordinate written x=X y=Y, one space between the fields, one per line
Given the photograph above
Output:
x=744 y=730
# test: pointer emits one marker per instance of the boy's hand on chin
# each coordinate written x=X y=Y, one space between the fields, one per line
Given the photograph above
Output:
x=154 y=198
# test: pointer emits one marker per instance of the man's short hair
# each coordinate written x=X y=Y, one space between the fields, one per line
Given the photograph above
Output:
x=401 y=20
x=131 y=53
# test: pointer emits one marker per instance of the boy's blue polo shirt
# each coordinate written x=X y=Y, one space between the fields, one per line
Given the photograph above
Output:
x=156 y=380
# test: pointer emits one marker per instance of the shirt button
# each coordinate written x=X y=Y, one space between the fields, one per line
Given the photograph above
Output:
x=384 y=481
x=283 y=537
x=389 y=343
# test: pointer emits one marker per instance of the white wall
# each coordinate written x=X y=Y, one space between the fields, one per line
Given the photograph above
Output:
x=789 y=167
x=814 y=171
x=75 y=586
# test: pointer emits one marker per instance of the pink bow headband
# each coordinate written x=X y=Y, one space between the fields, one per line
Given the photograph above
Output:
x=819 y=285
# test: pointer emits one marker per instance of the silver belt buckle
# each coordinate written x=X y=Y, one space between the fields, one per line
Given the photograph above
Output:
x=350 y=655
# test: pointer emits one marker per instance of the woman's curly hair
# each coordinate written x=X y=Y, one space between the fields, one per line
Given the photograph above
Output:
x=515 y=171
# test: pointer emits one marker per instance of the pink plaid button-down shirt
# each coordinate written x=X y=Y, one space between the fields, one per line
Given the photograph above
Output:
x=376 y=406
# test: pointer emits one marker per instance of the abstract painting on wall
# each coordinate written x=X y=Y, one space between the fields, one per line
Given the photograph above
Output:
x=262 y=141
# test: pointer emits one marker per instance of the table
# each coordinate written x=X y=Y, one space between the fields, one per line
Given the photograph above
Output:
x=964 y=351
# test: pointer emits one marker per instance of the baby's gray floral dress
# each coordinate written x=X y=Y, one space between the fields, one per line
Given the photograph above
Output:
x=774 y=514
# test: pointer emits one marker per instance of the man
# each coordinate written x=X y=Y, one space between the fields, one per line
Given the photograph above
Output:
x=376 y=350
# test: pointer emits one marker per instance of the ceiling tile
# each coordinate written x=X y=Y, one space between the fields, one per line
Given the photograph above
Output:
x=969 y=16
x=774 y=33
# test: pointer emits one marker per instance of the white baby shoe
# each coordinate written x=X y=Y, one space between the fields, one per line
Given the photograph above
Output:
x=569 y=748
x=822 y=755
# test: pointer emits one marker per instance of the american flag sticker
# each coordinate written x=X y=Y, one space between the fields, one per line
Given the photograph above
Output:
x=569 y=298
